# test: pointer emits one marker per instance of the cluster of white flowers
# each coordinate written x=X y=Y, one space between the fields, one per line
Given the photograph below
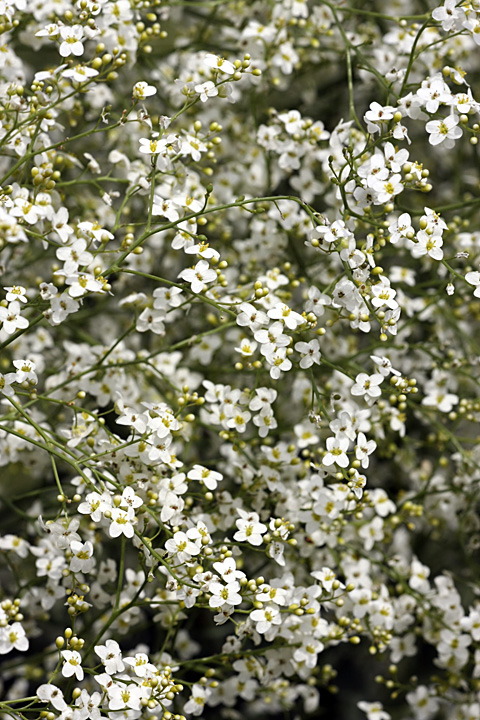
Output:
x=239 y=367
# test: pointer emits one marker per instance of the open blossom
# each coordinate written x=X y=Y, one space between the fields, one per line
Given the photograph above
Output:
x=428 y=244
x=6 y=384
x=206 y=90
x=51 y=694
x=444 y=131
x=111 y=656
x=310 y=353
x=219 y=63
x=143 y=90
x=122 y=522
x=377 y=115
x=367 y=385
x=12 y=319
x=286 y=315
x=181 y=546
x=95 y=504
x=71 y=41
x=224 y=594
x=198 y=276
x=13 y=637
x=265 y=618
x=82 y=556
x=473 y=278
x=209 y=478
x=80 y=73
x=336 y=452
x=16 y=292
x=72 y=664
x=249 y=528
x=195 y=705
x=364 y=448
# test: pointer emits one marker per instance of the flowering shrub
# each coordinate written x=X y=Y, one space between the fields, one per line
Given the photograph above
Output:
x=240 y=250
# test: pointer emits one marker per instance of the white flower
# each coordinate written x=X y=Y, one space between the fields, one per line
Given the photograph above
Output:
x=228 y=570
x=151 y=146
x=422 y=703
x=444 y=131
x=195 y=705
x=252 y=317
x=206 y=90
x=377 y=115
x=265 y=618
x=16 y=292
x=473 y=278
x=218 y=63
x=130 y=499
x=449 y=15
x=249 y=528
x=82 y=283
x=122 y=522
x=181 y=546
x=402 y=227
x=373 y=710
x=387 y=189
x=367 y=385
x=12 y=319
x=279 y=362
x=246 y=347
x=198 y=276
x=191 y=145
x=289 y=317
x=111 y=656
x=88 y=705
x=209 y=478
x=310 y=353
x=74 y=255
x=383 y=295
x=72 y=41
x=95 y=505
x=371 y=533
x=80 y=73
x=364 y=448
x=143 y=90
x=336 y=452
x=6 y=384
x=224 y=594
x=141 y=666
x=72 y=664
x=443 y=401
x=123 y=695
x=13 y=637
x=428 y=244
x=82 y=559
x=25 y=372
x=53 y=695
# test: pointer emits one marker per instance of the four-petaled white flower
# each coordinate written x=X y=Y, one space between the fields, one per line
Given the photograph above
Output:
x=310 y=353
x=72 y=37
x=143 y=90
x=250 y=529
x=82 y=556
x=218 y=63
x=206 y=90
x=11 y=318
x=199 y=276
x=72 y=664
x=122 y=522
x=336 y=452
x=444 y=131
x=367 y=385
